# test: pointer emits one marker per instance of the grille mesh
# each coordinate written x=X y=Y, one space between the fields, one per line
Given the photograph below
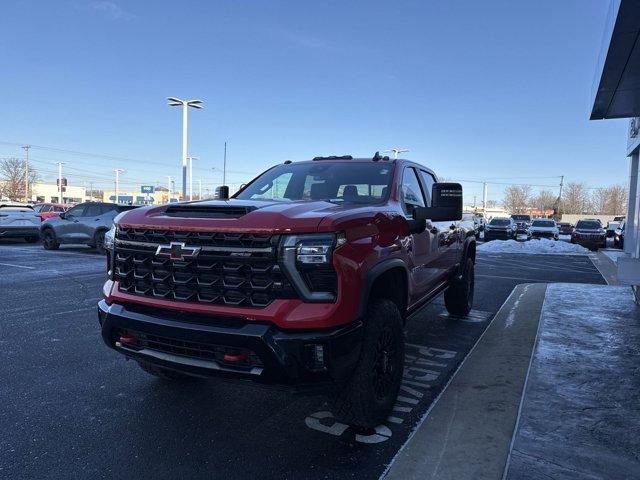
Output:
x=240 y=276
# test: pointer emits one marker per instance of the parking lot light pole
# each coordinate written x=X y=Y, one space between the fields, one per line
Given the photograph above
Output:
x=60 y=181
x=191 y=159
x=176 y=102
x=169 y=185
x=118 y=172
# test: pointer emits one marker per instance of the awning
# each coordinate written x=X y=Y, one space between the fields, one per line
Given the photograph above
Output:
x=616 y=88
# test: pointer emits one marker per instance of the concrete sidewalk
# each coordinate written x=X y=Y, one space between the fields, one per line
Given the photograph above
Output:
x=579 y=417
x=467 y=434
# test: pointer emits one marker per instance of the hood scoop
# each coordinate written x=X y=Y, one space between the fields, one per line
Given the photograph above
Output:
x=208 y=211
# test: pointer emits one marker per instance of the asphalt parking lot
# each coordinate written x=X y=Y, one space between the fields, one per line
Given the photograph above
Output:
x=72 y=408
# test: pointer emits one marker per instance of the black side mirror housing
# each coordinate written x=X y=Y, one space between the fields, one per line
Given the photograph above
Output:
x=446 y=204
x=416 y=227
x=63 y=215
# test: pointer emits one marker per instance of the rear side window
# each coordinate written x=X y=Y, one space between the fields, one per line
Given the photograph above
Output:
x=411 y=191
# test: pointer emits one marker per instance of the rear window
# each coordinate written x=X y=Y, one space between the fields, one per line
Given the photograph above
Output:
x=520 y=218
x=588 y=225
x=499 y=222
x=543 y=223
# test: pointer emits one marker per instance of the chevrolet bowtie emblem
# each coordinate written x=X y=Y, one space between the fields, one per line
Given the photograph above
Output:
x=178 y=251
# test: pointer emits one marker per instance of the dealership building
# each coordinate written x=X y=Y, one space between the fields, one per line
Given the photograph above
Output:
x=616 y=94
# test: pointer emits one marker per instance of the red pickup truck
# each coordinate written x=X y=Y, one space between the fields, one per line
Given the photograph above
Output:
x=304 y=279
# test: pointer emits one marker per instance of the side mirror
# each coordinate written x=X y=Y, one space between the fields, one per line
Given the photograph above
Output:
x=416 y=227
x=446 y=204
x=63 y=215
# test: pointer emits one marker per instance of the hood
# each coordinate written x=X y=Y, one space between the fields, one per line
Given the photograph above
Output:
x=256 y=216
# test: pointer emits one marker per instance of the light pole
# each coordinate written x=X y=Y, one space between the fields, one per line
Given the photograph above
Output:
x=26 y=172
x=169 y=195
x=176 y=102
x=396 y=151
x=191 y=159
x=60 y=182
x=118 y=172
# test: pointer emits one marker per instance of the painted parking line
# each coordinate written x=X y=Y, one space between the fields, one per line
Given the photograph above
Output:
x=17 y=266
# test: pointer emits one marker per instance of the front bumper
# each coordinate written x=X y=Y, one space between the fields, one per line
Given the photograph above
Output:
x=194 y=344
x=548 y=235
x=590 y=242
x=498 y=235
x=19 y=232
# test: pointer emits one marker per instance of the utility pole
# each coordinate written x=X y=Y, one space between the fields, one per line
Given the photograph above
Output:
x=474 y=201
x=26 y=172
x=118 y=172
x=60 y=182
x=176 y=102
x=91 y=190
x=560 y=195
x=224 y=165
x=199 y=189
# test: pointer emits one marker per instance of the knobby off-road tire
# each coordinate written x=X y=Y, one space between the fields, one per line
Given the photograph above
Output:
x=458 y=298
x=368 y=398
x=163 y=372
x=49 y=241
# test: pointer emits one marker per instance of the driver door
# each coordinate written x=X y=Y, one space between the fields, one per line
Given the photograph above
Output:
x=70 y=229
x=422 y=249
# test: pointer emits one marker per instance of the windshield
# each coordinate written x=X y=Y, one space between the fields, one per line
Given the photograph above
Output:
x=520 y=218
x=342 y=182
x=588 y=225
x=499 y=222
x=543 y=223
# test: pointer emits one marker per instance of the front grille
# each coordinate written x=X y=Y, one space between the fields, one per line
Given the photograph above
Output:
x=230 y=269
x=542 y=234
x=185 y=348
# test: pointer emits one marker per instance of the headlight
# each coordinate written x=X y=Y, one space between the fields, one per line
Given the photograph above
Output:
x=307 y=262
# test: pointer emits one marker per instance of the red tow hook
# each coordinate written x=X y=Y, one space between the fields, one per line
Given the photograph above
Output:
x=235 y=358
x=127 y=340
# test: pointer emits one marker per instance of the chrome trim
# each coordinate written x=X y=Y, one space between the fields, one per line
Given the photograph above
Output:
x=203 y=248
x=190 y=362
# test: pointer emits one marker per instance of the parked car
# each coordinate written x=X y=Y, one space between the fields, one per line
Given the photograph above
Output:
x=565 y=228
x=589 y=233
x=481 y=221
x=19 y=220
x=302 y=279
x=500 y=228
x=522 y=222
x=86 y=223
x=611 y=228
x=468 y=222
x=618 y=237
x=544 y=228
x=48 y=210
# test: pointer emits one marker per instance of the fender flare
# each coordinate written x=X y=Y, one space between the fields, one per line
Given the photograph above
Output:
x=469 y=243
x=376 y=271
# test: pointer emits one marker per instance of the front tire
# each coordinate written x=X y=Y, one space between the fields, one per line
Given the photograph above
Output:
x=98 y=242
x=49 y=241
x=458 y=298
x=368 y=398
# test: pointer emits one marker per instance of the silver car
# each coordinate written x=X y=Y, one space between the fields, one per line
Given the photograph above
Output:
x=19 y=220
x=85 y=223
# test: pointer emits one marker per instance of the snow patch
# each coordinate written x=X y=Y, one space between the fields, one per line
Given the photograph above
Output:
x=543 y=246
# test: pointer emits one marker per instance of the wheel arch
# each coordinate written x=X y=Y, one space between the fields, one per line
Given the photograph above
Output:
x=387 y=279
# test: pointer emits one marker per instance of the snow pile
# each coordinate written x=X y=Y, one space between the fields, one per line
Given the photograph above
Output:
x=533 y=246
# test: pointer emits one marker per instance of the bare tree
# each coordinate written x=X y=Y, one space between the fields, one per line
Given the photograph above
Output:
x=517 y=198
x=575 y=198
x=617 y=200
x=545 y=200
x=12 y=175
x=600 y=199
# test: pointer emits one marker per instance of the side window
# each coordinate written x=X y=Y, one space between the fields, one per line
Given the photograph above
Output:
x=93 y=210
x=411 y=192
x=427 y=181
x=76 y=211
x=105 y=207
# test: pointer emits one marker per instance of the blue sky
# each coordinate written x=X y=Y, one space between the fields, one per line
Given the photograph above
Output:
x=476 y=89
